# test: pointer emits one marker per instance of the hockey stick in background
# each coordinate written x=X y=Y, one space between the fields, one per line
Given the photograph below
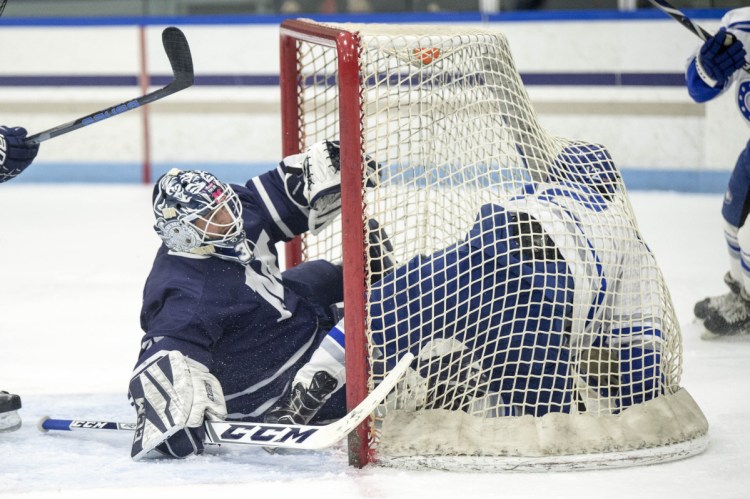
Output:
x=681 y=18
x=178 y=52
x=261 y=434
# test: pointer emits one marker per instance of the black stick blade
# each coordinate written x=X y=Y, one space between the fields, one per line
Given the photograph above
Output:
x=178 y=52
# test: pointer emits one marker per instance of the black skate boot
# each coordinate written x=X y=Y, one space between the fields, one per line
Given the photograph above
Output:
x=300 y=404
x=9 y=418
x=716 y=304
x=729 y=318
x=380 y=251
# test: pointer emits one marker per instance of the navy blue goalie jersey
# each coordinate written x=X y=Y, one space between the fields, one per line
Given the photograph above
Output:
x=251 y=325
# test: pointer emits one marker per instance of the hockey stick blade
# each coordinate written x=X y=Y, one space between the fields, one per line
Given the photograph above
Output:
x=681 y=18
x=303 y=437
x=178 y=52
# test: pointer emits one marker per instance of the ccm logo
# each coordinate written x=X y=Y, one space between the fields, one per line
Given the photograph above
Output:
x=88 y=424
x=261 y=433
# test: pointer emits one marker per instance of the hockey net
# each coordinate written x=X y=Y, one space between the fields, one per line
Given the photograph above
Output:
x=496 y=385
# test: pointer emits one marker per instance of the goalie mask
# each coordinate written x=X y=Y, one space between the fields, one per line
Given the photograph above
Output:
x=197 y=213
x=586 y=164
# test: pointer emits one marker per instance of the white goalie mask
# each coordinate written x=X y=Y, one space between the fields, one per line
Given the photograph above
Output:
x=196 y=212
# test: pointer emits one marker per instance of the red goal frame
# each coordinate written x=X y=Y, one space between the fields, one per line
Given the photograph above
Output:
x=347 y=45
x=361 y=84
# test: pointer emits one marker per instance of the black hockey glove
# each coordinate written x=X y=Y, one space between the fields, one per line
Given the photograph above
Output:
x=15 y=154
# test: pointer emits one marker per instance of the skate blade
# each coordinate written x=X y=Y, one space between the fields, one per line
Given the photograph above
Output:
x=741 y=336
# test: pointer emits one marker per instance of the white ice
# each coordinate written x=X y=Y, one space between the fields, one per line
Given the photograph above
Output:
x=72 y=264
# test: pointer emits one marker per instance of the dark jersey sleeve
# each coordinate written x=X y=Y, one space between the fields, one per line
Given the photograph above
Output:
x=174 y=314
x=267 y=206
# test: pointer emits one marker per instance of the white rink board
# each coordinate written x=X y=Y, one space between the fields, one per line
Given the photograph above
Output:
x=645 y=127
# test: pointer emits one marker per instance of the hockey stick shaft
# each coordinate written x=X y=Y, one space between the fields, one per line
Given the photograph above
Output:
x=681 y=18
x=178 y=52
x=266 y=435
x=46 y=424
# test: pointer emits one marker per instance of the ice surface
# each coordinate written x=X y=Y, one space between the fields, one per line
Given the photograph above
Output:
x=73 y=263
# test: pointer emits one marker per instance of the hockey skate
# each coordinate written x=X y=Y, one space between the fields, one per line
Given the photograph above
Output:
x=717 y=304
x=727 y=315
x=9 y=418
x=454 y=381
x=299 y=405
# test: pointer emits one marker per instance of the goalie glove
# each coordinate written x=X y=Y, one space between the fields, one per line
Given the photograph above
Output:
x=719 y=57
x=313 y=182
x=172 y=396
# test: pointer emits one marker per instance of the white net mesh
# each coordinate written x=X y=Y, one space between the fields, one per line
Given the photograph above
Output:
x=540 y=318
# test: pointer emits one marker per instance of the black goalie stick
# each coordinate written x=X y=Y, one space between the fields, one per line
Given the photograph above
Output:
x=302 y=437
x=178 y=52
x=681 y=18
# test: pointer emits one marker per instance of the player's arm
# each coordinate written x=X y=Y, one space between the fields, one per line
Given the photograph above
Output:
x=15 y=154
x=171 y=387
x=711 y=70
x=303 y=193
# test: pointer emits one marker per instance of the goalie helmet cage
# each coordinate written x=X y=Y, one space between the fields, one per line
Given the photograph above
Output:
x=443 y=111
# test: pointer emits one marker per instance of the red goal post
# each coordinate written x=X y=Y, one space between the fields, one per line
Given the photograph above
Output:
x=444 y=112
x=294 y=140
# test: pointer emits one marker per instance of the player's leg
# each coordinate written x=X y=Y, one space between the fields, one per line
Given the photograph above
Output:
x=729 y=313
x=733 y=279
x=9 y=418
x=325 y=373
x=314 y=383
x=320 y=378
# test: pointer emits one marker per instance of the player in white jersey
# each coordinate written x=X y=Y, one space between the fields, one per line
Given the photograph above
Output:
x=15 y=156
x=539 y=280
x=714 y=69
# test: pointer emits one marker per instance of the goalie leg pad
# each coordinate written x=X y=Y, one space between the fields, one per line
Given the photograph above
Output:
x=172 y=392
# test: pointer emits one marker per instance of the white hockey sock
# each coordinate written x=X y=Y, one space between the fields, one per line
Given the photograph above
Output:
x=733 y=248
x=743 y=240
x=328 y=357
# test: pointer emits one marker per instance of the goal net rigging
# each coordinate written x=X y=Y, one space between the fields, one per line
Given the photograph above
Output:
x=545 y=334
